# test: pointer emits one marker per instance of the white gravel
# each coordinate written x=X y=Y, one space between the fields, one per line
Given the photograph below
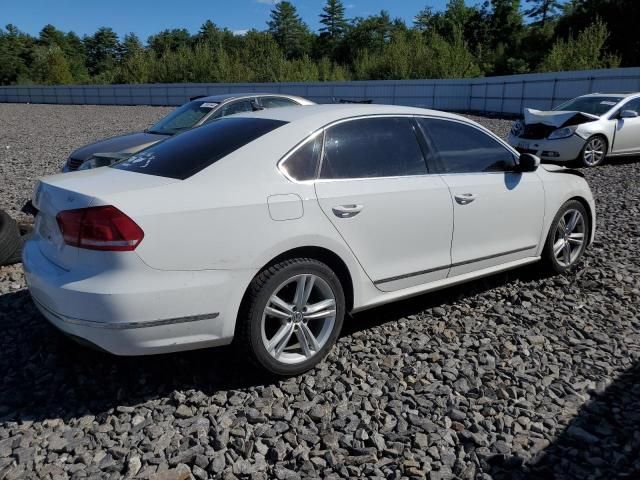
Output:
x=515 y=376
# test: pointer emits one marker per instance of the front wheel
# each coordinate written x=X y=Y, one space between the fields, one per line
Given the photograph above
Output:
x=292 y=315
x=594 y=151
x=567 y=238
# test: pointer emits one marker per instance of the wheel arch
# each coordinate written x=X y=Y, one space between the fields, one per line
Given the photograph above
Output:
x=587 y=206
x=326 y=256
x=322 y=254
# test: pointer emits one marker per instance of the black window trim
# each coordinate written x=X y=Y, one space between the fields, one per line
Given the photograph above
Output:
x=438 y=163
x=298 y=146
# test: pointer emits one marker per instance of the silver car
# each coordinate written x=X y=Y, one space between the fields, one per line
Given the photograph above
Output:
x=587 y=129
x=192 y=114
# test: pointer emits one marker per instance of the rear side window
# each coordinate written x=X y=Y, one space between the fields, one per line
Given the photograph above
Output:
x=465 y=149
x=194 y=150
x=302 y=164
x=372 y=147
x=275 y=102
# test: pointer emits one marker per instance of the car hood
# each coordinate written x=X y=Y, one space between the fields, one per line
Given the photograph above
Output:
x=129 y=143
x=557 y=118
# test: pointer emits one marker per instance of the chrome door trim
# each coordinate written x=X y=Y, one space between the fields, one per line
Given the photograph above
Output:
x=125 y=325
x=453 y=265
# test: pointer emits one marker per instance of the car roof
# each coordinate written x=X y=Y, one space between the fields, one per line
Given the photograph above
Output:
x=328 y=113
x=229 y=96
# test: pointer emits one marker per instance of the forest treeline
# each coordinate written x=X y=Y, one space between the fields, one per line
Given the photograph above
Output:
x=497 y=37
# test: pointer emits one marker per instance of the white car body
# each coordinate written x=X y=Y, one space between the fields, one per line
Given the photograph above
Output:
x=206 y=237
x=622 y=134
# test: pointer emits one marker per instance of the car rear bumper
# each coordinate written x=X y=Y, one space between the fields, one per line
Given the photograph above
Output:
x=561 y=150
x=137 y=313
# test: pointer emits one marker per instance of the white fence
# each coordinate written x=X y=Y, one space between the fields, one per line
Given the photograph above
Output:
x=506 y=95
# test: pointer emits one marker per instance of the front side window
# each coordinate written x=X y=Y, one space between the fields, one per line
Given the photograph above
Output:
x=275 y=102
x=194 y=150
x=633 y=105
x=465 y=149
x=302 y=164
x=372 y=147
x=183 y=118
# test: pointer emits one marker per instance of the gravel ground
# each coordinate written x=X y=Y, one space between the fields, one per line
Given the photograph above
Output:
x=515 y=376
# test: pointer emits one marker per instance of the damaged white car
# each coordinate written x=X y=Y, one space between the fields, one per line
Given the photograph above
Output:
x=586 y=129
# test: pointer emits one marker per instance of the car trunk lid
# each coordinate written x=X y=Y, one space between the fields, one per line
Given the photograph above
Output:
x=78 y=190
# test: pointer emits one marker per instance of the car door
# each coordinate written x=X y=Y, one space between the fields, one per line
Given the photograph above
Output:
x=375 y=189
x=498 y=212
x=627 y=136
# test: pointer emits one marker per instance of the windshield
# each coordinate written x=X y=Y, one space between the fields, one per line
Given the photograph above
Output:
x=183 y=118
x=186 y=154
x=593 y=105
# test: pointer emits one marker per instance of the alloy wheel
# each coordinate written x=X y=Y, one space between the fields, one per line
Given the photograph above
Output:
x=569 y=238
x=594 y=152
x=298 y=319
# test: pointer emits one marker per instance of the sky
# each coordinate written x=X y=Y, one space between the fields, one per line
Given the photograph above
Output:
x=145 y=17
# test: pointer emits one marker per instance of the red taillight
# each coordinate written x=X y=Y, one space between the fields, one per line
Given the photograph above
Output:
x=99 y=228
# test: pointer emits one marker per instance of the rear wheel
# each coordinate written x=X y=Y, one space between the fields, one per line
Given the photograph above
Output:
x=10 y=241
x=594 y=151
x=567 y=238
x=292 y=316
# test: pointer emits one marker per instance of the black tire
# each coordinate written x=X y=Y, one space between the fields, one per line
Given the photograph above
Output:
x=249 y=323
x=17 y=256
x=549 y=258
x=10 y=241
x=583 y=159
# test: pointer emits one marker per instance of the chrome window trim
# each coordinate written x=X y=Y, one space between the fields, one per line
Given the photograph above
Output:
x=324 y=128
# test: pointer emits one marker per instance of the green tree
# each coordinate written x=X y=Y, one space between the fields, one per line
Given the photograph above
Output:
x=585 y=52
x=130 y=46
x=169 y=40
x=102 y=51
x=334 y=27
x=543 y=10
x=289 y=31
x=50 y=66
x=16 y=50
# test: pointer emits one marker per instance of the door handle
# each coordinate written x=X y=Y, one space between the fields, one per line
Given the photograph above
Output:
x=347 y=211
x=464 y=198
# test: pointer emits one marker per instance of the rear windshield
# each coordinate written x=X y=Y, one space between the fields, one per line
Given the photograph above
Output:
x=593 y=105
x=186 y=154
x=183 y=118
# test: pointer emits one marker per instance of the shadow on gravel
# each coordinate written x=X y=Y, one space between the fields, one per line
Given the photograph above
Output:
x=601 y=442
x=45 y=375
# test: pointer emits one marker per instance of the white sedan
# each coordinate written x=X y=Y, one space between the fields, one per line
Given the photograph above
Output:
x=588 y=129
x=268 y=228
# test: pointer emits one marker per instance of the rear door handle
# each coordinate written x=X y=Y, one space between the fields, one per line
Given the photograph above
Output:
x=347 y=211
x=464 y=198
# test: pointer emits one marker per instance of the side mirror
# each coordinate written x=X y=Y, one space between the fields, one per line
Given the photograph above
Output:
x=628 y=114
x=528 y=163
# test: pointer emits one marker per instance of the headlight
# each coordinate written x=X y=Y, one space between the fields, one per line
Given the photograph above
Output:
x=517 y=128
x=95 y=162
x=562 y=133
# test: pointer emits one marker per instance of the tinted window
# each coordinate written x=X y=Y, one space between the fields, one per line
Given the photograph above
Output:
x=275 y=102
x=194 y=150
x=372 y=147
x=633 y=105
x=593 y=105
x=303 y=162
x=465 y=149
x=183 y=118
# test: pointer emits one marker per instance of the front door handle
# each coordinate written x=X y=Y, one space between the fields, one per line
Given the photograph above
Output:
x=347 y=211
x=464 y=198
